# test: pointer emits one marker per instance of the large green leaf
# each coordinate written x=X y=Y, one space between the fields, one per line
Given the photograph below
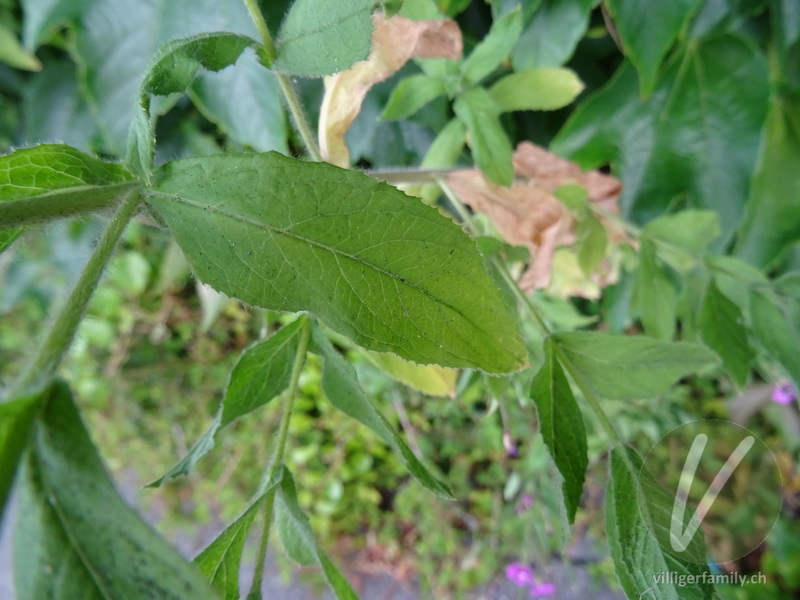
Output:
x=318 y=39
x=654 y=294
x=776 y=330
x=561 y=424
x=722 y=329
x=340 y=384
x=638 y=557
x=695 y=136
x=618 y=366
x=41 y=17
x=648 y=31
x=494 y=48
x=490 y=145
x=545 y=88
x=772 y=220
x=261 y=373
x=75 y=537
x=371 y=262
x=552 y=35
x=16 y=422
x=682 y=237
x=298 y=539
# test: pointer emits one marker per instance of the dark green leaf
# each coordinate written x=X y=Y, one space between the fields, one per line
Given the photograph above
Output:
x=546 y=88
x=340 y=384
x=772 y=221
x=320 y=39
x=776 y=331
x=16 y=422
x=490 y=145
x=494 y=48
x=373 y=263
x=618 y=366
x=561 y=424
x=722 y=329
x=695 y=136
x=552 y=35
x=682 y=237
x=638 y=556
x=75 y=537
x=298 y=539
x=654 y=294
x=411 y=94
x=221 y=559
x=648 y=31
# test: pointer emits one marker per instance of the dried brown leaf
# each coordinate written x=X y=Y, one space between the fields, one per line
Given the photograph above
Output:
x=394 y=42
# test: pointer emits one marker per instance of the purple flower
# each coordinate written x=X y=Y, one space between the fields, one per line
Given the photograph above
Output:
x=510 y=446
x=542 y=589
x=524 y=504
x=520 y=574
x=784 y=393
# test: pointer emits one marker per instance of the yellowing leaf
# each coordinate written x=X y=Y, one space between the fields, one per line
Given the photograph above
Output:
x=428 y=379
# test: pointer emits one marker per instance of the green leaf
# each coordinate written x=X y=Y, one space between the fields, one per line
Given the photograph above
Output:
x=16 y=422
x=13 y=54
x=321 y=39
x=592 y=243
x=772 y=222
x=494 y=48
x=221 y=559
x=638 y=557
x=8 y=237
x=375 y=265
x=447 y=146
x=245 y=104
x=682 y=237
x=654 y=294
x=561 y=425
x=648 y=31
x=776 y=331
x=75 y=536
x=42 y=17
x=298 y=539
x=552 y=35
x=734 y=277
x=262 y=373
x=695 y=137
x=428 y=379
x=722 y=329
x=411 y=94
x=545 y=88
x=340 y=384
x=573 y=197
x=619 y=367
x=490 y=145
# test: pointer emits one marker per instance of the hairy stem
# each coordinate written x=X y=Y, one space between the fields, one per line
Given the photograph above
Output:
x=277 y=458
x=263 y=30
x=45 y=364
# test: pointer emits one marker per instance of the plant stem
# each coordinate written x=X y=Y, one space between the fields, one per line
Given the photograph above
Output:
x=292 y=100
x=52 y=352
x=277 y=458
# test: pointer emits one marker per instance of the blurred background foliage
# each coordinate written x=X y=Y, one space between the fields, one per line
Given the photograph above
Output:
x=685 y=129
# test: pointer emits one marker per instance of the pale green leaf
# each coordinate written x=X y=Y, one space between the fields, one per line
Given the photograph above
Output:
x=776 y=331
x=374 y=264
x=545 y=88
x=561 y=425
x=428 y=379
x=340 y=384
x=592 y=243
x=494 y=48
x=447 y=146
x=722 y=329
x=654 y=294
x=490 y=145
x=13 y=54
x=411 y=94
x=75 y=537
x=318 y=39
x=682 y=237
x=618 y=366
x=550 y=38
x=735 y=277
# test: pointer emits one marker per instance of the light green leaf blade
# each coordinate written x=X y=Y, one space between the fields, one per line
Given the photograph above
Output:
x=776 y=331
x=619 y=367
x=16 y=422
x=298 y=539
x=682 y=237
x=772 y=222
x=221 y=559
x=735 y=277
x=411 y=94
x=637 y=555
x=428 y=379
x=592 y=243
x=494 y=48
x=340 y=384
x=722 y=329
x=546 y=88
x=374 y=264
x=13 y=54
x=8 y=237
x=321 y=39
x=654 y=294
x=447 y=146
x=490 y=145
x=648 y=31
x=550 y=38
x=75 y=537
x=561 y=425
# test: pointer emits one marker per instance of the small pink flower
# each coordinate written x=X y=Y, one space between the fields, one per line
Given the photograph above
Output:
x=521 y=575
x=524 y=504
x=510 y=446
x=784 y=393
x=539 y=590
